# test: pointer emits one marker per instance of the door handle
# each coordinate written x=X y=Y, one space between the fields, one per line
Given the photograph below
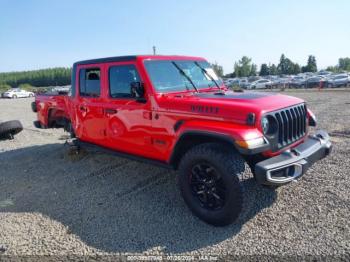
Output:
x=83 y=108
x=111 y=111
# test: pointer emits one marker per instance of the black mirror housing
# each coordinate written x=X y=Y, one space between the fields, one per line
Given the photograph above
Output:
x=137 y=90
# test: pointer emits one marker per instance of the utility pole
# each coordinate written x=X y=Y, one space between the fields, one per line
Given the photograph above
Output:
x=154 y=50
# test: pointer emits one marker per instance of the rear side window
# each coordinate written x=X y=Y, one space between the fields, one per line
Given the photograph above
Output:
x=90 y=82
x=120 y=79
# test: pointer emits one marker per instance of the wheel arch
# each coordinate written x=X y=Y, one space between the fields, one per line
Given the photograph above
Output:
x=55 y=117
x=189 y=139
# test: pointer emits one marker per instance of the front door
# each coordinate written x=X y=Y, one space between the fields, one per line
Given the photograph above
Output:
x=128 y=120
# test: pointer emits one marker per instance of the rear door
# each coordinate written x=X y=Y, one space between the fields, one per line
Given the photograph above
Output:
x=90 y=122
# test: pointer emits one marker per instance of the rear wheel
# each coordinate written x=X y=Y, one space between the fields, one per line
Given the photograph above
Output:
x=33 y=106
x=209 y=183
x=10 y=128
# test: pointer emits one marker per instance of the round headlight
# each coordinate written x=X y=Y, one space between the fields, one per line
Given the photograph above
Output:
x=265 y=125
x=269 y=125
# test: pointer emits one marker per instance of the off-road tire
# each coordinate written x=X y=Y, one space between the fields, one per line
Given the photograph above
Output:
x=10 y=128
x=229 y=165
x=33 y=106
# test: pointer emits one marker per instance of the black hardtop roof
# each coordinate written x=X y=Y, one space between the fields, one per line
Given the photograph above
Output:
x=130 y=58
x=106 y=60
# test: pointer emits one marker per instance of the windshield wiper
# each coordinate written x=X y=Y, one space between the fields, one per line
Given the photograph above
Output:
x=185 y=75
x=206 y=73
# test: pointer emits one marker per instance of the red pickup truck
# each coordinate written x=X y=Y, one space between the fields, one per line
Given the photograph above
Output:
x=174 y=111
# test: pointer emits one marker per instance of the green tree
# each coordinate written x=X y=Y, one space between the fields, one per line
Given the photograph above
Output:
x=243 y=67
x=273 y=70
x=27 y=87
x=218 y=69
x=44 y=77
x=253 y=70
x=334 y=69
x=311 y=64
x=286 y=66
x=230 y=75
x=344 y=63
x=282 y=67
x=264 y=70
x=296 y=69
x=4 y=88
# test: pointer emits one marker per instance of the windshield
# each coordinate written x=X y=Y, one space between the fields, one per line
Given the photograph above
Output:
x=174 y=76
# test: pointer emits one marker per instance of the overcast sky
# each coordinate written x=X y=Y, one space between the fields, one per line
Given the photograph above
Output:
x=39 y=33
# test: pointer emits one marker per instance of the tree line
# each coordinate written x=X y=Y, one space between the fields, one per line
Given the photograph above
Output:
x=59 y=76
x=245 y=67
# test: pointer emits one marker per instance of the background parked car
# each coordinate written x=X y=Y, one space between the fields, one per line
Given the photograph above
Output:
x=338 y=80
x=231 y=82
x=324 y=73
x=260 y=84
x=301 y=80
x=297 y=82
x=17 y=93
x=243 y=83
x=315 y=81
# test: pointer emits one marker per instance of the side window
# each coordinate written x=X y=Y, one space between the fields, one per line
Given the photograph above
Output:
x=120 y=79
x=89 y=82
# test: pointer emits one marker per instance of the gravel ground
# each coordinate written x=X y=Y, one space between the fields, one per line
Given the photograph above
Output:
x=98 y=205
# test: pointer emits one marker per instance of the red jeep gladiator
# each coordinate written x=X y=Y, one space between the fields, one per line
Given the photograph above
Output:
x=174 y=111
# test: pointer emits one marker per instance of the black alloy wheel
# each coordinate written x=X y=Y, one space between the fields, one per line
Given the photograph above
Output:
x=207 y=186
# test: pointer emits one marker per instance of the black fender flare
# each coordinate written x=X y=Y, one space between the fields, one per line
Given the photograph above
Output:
x=191 y=138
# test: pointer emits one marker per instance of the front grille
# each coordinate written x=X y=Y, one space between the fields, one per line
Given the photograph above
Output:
x=291 y=124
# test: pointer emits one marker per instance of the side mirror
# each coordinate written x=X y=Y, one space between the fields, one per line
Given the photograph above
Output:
x=137 y=90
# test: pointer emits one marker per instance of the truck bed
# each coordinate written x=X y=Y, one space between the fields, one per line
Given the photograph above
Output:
x=51 y=109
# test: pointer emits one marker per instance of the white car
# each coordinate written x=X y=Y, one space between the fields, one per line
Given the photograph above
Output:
x=17 y=93
x=262 y=83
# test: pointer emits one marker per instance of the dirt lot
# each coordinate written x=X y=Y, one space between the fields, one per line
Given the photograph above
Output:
x=97 y=205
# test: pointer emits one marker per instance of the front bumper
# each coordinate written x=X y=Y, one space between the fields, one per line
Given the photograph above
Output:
x=293 y=163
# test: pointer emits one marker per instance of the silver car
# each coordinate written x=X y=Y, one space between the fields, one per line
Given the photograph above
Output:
x=338 y=80
x=260 y=84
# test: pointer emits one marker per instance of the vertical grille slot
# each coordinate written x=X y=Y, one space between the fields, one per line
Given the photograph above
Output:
x=291 y=125
x=285 y=127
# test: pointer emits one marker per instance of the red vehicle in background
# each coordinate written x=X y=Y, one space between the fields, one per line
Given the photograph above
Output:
x=174 y=111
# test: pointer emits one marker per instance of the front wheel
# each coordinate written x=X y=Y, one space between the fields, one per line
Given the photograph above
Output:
x=14 y=96
x=209 y=183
